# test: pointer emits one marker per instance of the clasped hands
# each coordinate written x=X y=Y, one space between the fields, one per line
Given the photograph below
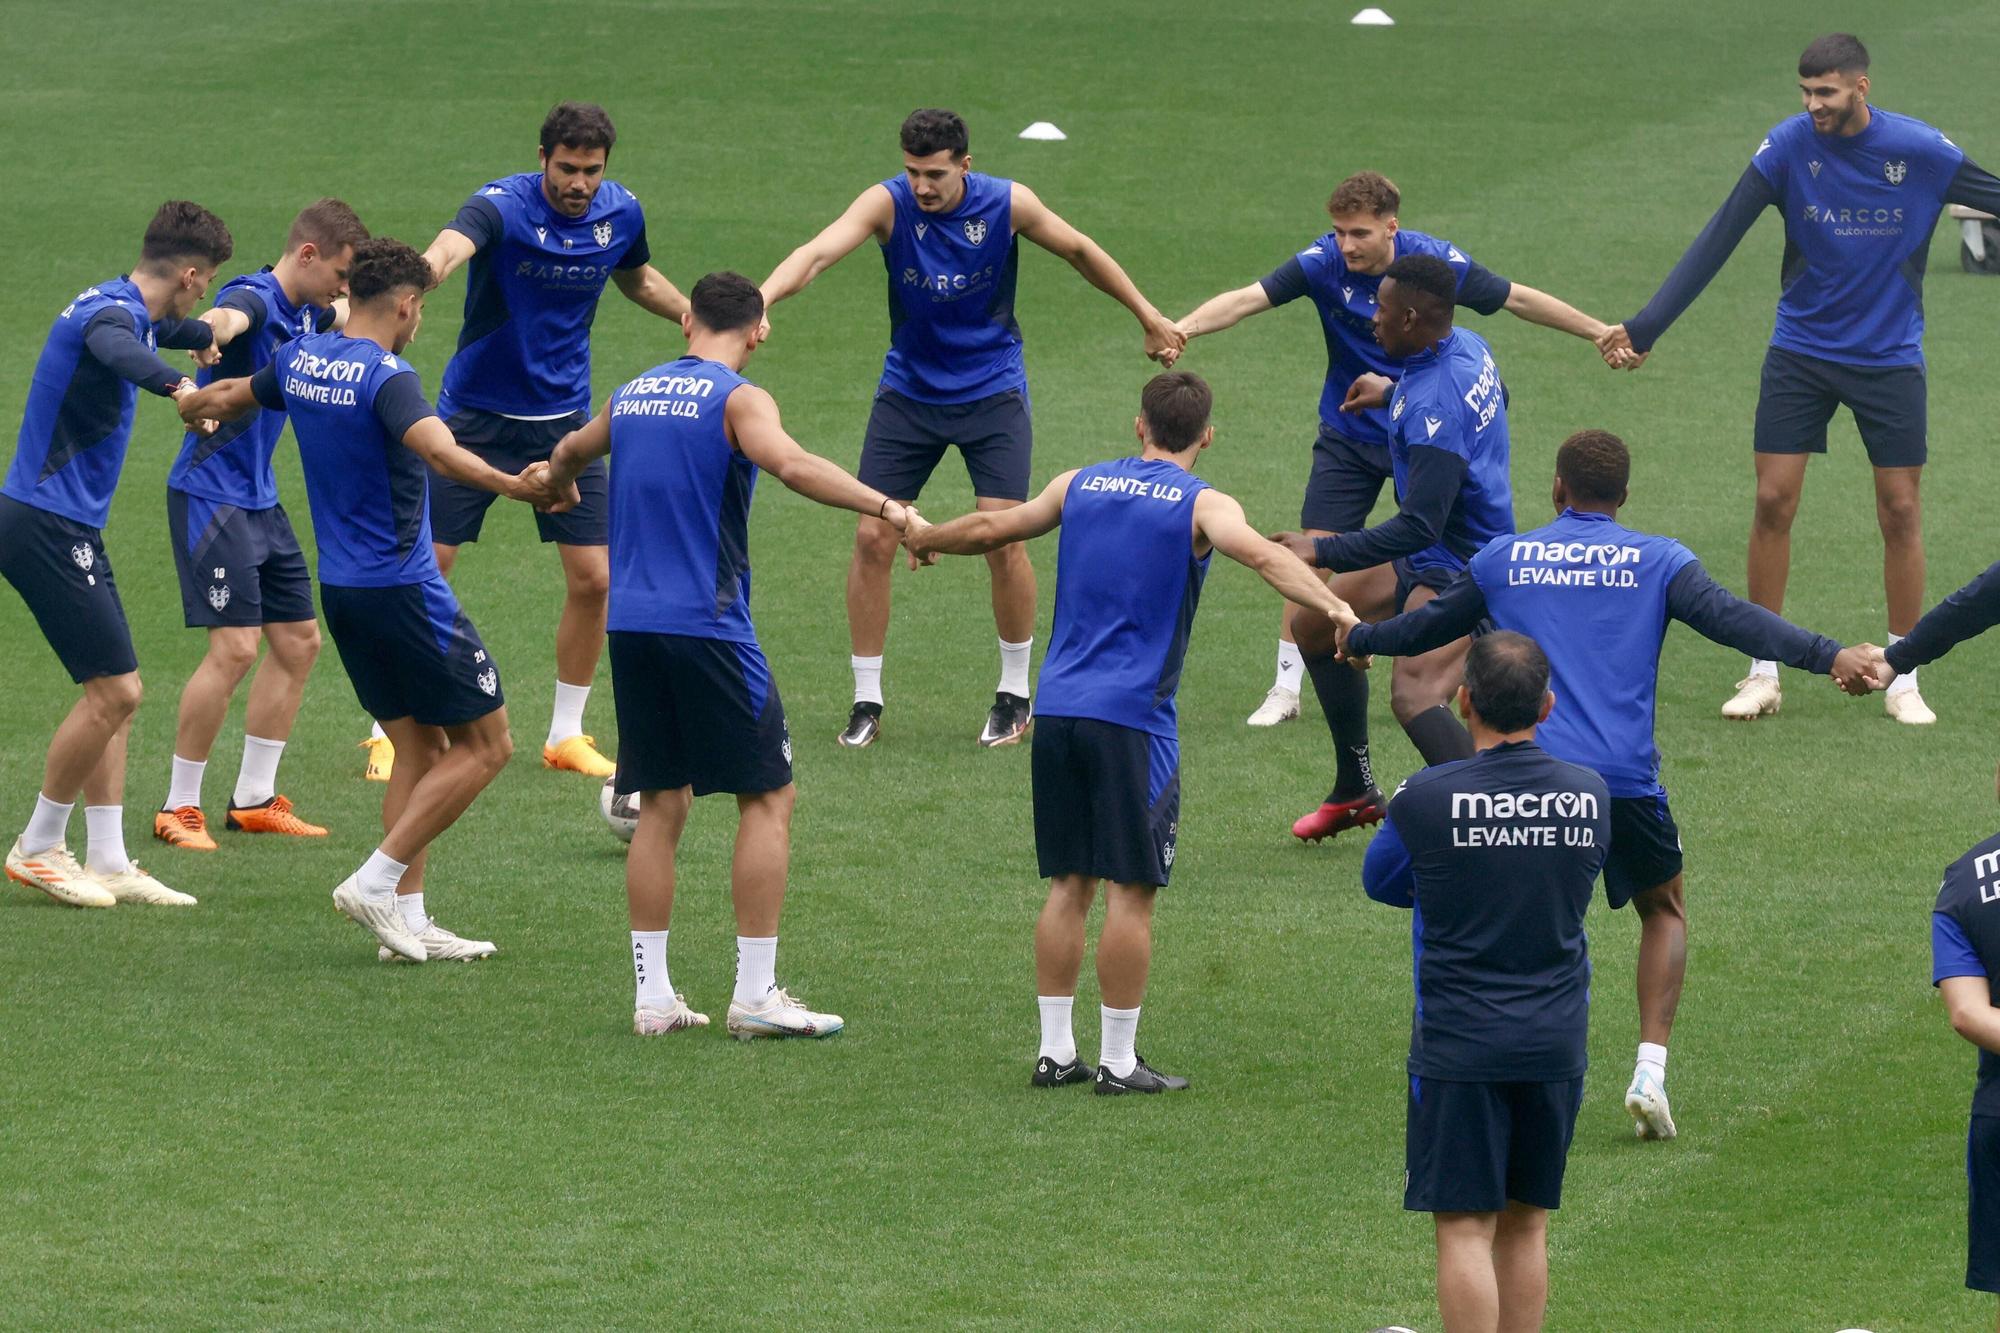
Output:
x=538 y=485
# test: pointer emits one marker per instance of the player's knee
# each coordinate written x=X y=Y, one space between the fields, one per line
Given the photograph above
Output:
x=1010 y=559
x=233 y=653
x=874 y=542
x=116 y=697
x=1663 y=901
x=1900 y=516
x=1412 y=693
x=1777 y=506
x=591 y=583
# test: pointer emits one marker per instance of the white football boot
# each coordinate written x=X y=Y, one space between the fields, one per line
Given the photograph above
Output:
x=648 y=1021
x=56 y=873
x=134 y=885
x=383 y=920
x=1756 y=696
x=1280 y=705
x=1646 y=1103
x=779 y=1016
x=441 y=946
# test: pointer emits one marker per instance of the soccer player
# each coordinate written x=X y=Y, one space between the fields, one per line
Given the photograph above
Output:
x=243 y=576
x=1598 y=596
x=698 y=711
x=1965 y=957
x=365 y=436
x=1860 y=191
x=541 y=245
x=1497 y=855
x=1448 y=447
x=953 y=375
x=1137 y=537
x=1340 y=272
x=53 y=504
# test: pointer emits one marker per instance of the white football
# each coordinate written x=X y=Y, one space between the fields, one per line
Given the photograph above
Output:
x=620 y=812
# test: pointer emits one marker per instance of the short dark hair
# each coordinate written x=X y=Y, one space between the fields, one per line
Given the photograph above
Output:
x=1507 y=676
x=1365 y=192
x=724 y=302
x=1429 y=275
x=578 y=124
x=181 y=231
x=382 y=265
x=1837 y=51
x=1594 y=465
x=1175 y=404
x=931 y=129
x=329 y=224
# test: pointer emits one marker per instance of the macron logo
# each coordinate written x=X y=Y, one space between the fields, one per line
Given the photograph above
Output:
x=1761 y=147
x=1434 y=425
x=1451 y=253
x=389 y=361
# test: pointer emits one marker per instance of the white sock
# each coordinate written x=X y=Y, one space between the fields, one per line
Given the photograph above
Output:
x=1014 y=666
x=1759 y=667
x=649 y=965
x=412 y=905
x=375 y=732
x=1121 y=1030
x=1291 y=666
x=379 y=875
x=1653 y=1056
x=756 y=968
x=1906 y=680
x=185 y=789
x=567 y=720
x=867 y=679
x=257 y=779
x=106 y=824
x=1058 y=1039
x=48 y=826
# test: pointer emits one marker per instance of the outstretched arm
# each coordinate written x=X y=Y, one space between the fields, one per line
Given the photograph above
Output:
x=1451 y=615
x=872 y=214
x=448 y=253
x=1711 y=610
x=1225 y=311
x=1969 y=612
x=111 y=338
x=1974 y=188
x=1040 y=224
x=224 y=400
x=1218 y=520
x=1703 y=260
x=576 y=450
x=990 y=529
x=648 y=288
x=1538 y=307
x=1433 y=481
x=751 y=416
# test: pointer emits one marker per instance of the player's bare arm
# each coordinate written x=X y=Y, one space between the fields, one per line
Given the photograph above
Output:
x=1225 y=310
x=758 y=433
x=224 y=400
x=1368 y=391
x=1538 y=307
x=990 y=529
x=431 y=440
x=1969 y=1001
x=870 y=216
x=1219 y=522
x=1040 y=224
x=581 y=447
x=448 y=253
x=649 y=289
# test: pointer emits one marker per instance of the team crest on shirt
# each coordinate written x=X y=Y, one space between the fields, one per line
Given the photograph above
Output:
x=602 y=233
x=975 y=231
x=218 y=596
x=488 y=681
x=1895 y=171
x=83 y=555
x=1396 y=411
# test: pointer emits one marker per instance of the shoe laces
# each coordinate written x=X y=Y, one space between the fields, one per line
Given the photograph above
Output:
x=189 y=817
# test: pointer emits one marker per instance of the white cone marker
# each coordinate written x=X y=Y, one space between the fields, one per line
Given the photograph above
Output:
x=1042 y=129
x=1372 y=18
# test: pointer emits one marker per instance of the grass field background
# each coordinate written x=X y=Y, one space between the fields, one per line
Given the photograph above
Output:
x=234 y=1117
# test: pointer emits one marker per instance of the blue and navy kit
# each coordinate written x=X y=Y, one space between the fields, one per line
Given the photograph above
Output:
x=351 y=402
x=952 y=335
x=1448 y=445
x=1346 y=304
x=531 y=293
x=1499 y=855
x=1597 y=596
x=680 y=505
x=1858 y=211
x=1127 y=583
x=1965 y=942
x=78 y=422
x=1966 y=614
x=233 y=466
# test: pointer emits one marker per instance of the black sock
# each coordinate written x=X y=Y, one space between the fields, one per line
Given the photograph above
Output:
x=1438 y=736
x=1343 y=698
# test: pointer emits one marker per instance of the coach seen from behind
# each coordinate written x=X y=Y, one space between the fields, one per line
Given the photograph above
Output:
x=1498 y=854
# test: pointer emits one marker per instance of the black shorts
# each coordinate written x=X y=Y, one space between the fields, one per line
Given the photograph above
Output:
x=411 y=652
x=1645 y=849
x=237 y=566
x=701 y=713
x=1472 y=1147
x=1345 y=482
x=1798 y=395
x=61 y=571
x=906 y=439
x=1982 y=1213
x=1107 y=800
x=458 y=511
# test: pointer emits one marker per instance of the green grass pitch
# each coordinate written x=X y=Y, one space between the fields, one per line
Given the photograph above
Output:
x=235 y=1117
